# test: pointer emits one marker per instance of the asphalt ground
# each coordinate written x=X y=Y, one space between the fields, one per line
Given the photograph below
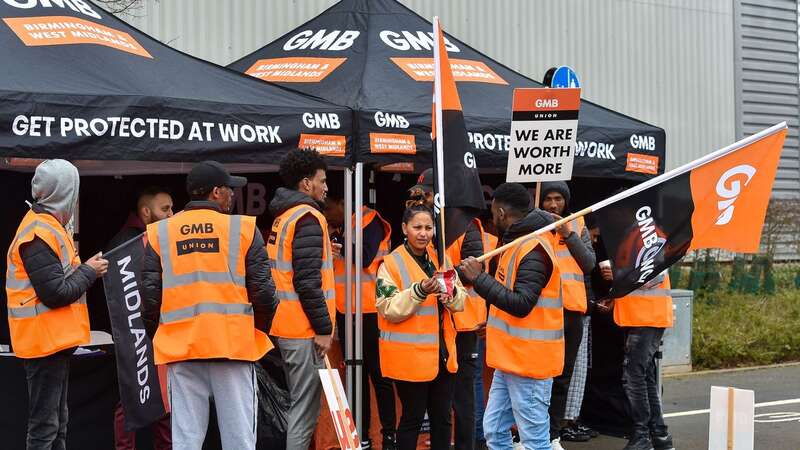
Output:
x=686 y=401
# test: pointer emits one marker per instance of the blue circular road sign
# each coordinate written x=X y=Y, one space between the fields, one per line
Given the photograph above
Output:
x=565 y=77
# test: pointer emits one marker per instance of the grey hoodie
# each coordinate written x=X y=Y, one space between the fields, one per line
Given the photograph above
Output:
x=55 y=188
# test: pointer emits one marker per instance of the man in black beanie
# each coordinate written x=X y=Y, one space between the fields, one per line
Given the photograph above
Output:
x=576 y=258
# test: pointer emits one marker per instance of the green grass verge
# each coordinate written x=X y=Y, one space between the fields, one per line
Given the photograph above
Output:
x=736 y=330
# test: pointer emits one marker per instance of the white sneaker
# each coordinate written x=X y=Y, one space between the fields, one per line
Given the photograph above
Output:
x=556 y=444
x=517 y=446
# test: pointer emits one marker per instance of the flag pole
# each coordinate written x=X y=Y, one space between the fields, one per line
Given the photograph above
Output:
x=439 y=131
x=538 y=194
x=731 y=421
x=691 y=165
x=543 y=230
x=643 y=186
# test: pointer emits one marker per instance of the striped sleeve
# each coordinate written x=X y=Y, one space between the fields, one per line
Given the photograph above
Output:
x=393 y=304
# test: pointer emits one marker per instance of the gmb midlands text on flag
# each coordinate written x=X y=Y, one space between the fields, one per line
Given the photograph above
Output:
x=457 y=185
x=139 y=387
x=718 y=201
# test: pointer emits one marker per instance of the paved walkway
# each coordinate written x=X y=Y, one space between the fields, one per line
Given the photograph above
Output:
x=686 y=401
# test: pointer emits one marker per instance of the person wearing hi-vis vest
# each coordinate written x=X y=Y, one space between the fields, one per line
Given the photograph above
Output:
x=207 y=286
x=153 y=204
x=525 y=329
x=377 y=236
x=417 y=342
x=46 y=288
x=467 y=322
x=301 y=255
x=573 y=249
x=643 y=314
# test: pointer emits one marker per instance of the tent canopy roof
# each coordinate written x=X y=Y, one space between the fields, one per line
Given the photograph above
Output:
x=374 y=56
x=81 y=62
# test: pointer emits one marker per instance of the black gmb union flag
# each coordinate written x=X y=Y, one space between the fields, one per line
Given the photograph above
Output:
x=718 y=201
x=457 y=185
x=139 y=387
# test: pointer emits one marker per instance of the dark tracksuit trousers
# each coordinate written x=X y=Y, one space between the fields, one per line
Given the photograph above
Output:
x=640 y=380
x=48 y=378
x=573 y=333
x=416 y=397
x=384 y=390
x=464 y=390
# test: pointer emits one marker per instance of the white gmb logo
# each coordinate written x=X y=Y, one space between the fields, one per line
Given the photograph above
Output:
x=729 y=189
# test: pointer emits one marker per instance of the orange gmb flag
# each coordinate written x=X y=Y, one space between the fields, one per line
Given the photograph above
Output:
x=718 y=201
x=731 y=195
x=457 y=184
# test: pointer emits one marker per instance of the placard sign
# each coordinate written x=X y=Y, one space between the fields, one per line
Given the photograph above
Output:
x=343 y=421
x=731 y=424
x=543 y=132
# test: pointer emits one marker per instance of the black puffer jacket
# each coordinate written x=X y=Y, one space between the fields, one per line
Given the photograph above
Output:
x=258 y=279
x=472 y=245
x=532 y=275
x=306 y=258
x=52 y=286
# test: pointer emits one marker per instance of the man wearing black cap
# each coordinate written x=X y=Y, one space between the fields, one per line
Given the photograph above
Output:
x=467 y=322
x=209 y=292
x=576 y=259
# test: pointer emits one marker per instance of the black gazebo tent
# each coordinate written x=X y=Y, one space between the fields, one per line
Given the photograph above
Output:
x=81 y=84
x=375 y=56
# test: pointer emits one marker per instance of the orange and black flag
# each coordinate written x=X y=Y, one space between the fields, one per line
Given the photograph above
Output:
x=457 y=185
x=718 y=201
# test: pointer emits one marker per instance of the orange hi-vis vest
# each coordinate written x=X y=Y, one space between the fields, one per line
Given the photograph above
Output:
x=572 y=281
x=489 y=242
x=646 y=307
x=409 y=350
x=531 y=346
x=290 y=320
x=205 y=311
x=474 y=313
x=369 y=274
x=36 y=330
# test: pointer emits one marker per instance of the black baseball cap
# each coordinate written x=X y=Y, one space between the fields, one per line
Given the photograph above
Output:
x=424 y=182
x=210 y=174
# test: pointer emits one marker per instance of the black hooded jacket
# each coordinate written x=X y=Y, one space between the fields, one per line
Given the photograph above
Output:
x=472 y=245
x=579 y=245
x=306 y=258
x=532 y=275
x=258 y=280
x=52 y=285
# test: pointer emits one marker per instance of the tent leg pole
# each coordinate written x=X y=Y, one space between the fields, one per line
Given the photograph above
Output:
x=372 y=191
x=347 y=345
x=359 y=325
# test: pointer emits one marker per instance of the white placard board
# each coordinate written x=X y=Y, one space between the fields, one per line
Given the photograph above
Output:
x=544 y=129
x=743 y=425
x=343 y=421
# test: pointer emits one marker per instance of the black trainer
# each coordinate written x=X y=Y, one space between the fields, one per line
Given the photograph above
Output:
x=662 y=442
x=480 y=444
x=639 y=443
x=590 y=431
x=389 y=441
x=574 y=434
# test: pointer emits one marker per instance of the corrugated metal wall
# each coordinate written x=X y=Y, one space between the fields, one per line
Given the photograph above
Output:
x=766 y=69
x=667 y=62
x=766 y=61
